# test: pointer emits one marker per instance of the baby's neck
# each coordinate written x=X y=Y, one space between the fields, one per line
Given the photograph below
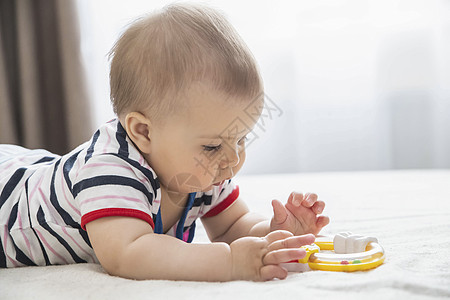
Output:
x=173 y=199
x=172 y=207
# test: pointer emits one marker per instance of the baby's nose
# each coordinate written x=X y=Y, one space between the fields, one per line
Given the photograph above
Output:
x=231 y=159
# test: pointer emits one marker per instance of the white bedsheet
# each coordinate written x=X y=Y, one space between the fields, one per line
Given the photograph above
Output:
x=409 y=212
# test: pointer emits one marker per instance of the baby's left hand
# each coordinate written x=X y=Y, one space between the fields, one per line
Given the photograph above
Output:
x=299 y=215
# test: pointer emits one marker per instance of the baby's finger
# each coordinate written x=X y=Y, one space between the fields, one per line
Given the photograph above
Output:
x=322 y=221
x=295 y=199
x=292 y=242
x=310 y=199
x=270 y=272
x=318 y=207
x=279 y=212
x=277 y=235
x=283 y=255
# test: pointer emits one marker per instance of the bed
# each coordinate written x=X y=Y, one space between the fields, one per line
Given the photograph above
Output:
x=408 y=211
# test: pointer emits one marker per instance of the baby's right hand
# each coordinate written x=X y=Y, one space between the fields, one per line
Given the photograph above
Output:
x=258 y=259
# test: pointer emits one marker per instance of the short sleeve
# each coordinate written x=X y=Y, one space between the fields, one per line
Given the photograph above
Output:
x=222 y=198
x=107 y=185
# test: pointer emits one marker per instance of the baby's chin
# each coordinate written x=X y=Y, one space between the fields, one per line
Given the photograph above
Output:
x=186 y=183
x=214 y=185
x=206 y=189
x=211 y=187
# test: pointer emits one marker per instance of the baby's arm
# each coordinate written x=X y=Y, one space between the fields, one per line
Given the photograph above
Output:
x=127 y=247
x=235 y=222
x=300 y=215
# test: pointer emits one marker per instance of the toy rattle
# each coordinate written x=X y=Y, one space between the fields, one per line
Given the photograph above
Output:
x=351 y=253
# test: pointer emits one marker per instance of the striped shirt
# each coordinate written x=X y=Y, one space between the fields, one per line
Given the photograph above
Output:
x=46 y=200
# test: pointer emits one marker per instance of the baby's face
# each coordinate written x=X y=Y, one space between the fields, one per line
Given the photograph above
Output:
x=205 y=145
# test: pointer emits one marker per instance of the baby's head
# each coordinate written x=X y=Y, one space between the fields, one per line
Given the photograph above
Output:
x=185 y=68
x=161 y=55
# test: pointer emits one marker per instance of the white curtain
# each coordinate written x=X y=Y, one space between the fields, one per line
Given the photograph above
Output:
x=356 y=85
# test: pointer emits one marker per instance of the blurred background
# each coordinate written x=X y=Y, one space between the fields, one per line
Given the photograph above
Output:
x=352 y=85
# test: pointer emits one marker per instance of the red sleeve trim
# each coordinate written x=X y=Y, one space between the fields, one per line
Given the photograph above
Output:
x=115 y=212
x=224 y=204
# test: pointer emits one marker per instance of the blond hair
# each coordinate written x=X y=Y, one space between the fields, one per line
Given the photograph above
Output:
x=162 y=54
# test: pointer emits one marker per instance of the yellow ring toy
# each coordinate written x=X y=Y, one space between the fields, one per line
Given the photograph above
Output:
x=347 y=252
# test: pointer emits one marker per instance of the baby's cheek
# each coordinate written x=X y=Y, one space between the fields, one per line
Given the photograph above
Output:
x=205 y=174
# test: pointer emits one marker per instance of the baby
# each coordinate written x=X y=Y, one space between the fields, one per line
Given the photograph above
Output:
x=183 y=84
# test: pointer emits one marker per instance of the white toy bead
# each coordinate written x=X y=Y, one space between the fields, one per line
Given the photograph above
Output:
x=347 y=242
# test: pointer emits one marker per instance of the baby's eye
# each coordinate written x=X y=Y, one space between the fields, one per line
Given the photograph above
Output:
x=210 y=148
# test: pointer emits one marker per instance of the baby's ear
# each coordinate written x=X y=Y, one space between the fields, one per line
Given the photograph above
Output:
x=139 y=129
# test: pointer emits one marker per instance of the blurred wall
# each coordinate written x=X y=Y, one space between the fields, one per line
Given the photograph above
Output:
x=356 y=85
